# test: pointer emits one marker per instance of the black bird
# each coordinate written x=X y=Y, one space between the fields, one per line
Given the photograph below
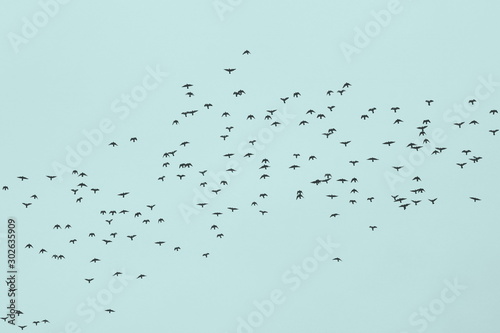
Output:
x=89 y=280
x=345 y=143
x=229 y=70
x=429 y=101
x=475 y=199
x=109 y=310
x=50 y=177
x=373 y=227
x=114 y=144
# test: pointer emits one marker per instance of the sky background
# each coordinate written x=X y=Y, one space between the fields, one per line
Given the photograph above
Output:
x=70 y=74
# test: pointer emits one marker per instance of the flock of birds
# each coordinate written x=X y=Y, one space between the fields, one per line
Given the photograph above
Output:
x=80 y=189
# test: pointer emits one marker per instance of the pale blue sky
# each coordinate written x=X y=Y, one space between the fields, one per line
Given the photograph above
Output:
x=69 y=75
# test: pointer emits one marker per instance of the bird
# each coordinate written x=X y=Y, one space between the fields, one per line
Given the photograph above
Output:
x=373 y=227
x=229 y=70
